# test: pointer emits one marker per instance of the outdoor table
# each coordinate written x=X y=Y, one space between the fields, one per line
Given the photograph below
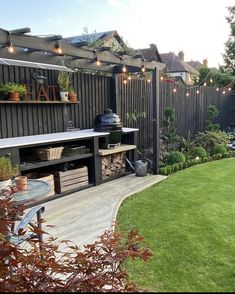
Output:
x=36 y=189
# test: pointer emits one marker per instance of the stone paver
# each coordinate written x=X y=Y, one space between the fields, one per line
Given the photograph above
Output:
x=83 y=216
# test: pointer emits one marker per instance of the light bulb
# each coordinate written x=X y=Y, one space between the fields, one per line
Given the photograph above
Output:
x=148 y=80
x=124 y=69
x=187 y=94
x=129 y=78
x=125 y=81
x=217 y=89
x=205 y=84
x=98 y=63
x=161 y=78
x=10 y=49
x=197 y=92
x=142 y=68
x=229 y=89
x=174 y=90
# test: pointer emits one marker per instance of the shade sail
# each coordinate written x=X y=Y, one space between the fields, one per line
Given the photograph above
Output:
x=15 y=62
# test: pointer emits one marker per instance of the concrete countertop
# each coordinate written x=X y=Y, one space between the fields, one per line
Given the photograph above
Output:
x=54 y=137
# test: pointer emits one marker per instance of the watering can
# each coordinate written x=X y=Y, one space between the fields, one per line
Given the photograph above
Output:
x=141 y=167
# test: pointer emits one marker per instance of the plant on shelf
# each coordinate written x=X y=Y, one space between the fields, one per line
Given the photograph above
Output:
x=72 y=94
x=64 y=82
x=7 y=172
x=13 y=90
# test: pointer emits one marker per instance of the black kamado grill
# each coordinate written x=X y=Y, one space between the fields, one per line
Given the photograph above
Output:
x=110 y=122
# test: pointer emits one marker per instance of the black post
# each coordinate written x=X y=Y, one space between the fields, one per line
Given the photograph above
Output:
x=156 y=123
x=115 y=101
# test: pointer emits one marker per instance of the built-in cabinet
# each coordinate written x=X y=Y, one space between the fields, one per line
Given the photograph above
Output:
x=80 y=149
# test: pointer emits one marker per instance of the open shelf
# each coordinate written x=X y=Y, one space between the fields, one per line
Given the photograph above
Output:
x=38 y=164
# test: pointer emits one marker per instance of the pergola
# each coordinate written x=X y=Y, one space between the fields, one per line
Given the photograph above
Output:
x=50 y=51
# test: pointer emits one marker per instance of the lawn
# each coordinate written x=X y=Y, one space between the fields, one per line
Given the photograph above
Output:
x=188 y=221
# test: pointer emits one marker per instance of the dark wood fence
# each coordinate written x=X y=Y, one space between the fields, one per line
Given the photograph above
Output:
x=21 y=119
x=95 y=93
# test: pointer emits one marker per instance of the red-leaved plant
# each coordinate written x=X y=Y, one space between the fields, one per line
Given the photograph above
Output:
x=98 y=267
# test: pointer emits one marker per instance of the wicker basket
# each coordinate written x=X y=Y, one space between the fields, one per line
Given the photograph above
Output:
x=50 y=153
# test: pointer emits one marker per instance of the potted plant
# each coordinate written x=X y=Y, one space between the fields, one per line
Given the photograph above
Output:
x=64 y=82
x=72 y=94
x=7 y=172
x=13 y=90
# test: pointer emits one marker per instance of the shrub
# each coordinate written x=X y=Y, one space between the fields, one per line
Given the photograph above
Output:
x=175 y=157
x=208 y=140
x=198 y=151
x=95 y=268
x=220 y=149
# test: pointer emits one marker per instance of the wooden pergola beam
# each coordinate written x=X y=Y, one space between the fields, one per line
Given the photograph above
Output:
x=37 y=43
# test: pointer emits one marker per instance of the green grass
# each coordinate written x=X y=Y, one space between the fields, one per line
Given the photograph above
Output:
x=188 y=221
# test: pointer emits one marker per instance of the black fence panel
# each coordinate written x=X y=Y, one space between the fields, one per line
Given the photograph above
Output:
x=22 y=119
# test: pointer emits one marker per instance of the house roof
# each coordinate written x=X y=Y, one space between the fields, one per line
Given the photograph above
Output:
x=195 y=64
x=175 y=64
x=150 y=54
x=90 y=38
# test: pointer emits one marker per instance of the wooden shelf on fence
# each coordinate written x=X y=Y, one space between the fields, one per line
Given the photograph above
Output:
x=122 y=148
x=38 y=102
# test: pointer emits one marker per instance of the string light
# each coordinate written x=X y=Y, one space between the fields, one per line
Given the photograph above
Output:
x=142 y=66
x=97 y=61
x=161 y=78
x=148 y=80
x=125 y=81
x=187 y=93
x=197 y=91
x=124 y=69
x=217 y=89
x=174 y=90
x=129 y=77
x=57 y=49
x=10 y=46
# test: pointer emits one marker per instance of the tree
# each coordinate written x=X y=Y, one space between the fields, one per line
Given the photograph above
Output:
x=229 y=55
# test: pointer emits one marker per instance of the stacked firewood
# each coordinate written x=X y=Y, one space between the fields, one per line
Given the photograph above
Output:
x=113 y=164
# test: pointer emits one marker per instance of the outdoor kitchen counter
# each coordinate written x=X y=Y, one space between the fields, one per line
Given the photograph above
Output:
x=54 y=137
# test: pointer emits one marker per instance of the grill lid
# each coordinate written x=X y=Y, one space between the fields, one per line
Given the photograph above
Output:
x=107 y=121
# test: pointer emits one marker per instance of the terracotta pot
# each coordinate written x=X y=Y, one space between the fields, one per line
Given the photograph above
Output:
x=14 y=96
x=21 y=183
x=72 y=96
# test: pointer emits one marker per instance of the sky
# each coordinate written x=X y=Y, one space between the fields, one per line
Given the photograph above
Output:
x=197 y=27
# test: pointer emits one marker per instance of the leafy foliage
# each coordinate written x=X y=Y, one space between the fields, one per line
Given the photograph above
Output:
x=169 y=131
x=209 y=139
x=64 y=80
x=96 y=268
x=175 y=157
x=12 y=88
x=229 y=55
x=198 y=151
x=220 y=149
x=212 y=113
x=7 y=169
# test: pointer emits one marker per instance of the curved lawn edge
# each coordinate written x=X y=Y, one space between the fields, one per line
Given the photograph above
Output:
x=187 y=220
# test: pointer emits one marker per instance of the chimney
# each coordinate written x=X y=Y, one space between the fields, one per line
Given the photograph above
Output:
x=205 y=62
x=181 y=55
x=153 y=46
